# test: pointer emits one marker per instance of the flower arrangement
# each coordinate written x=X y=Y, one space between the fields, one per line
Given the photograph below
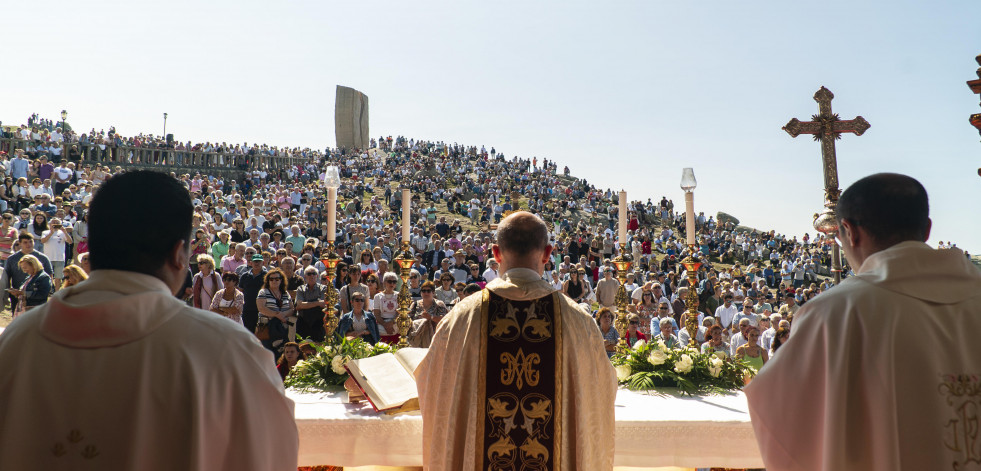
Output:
x=653 y=365
x=325 y=369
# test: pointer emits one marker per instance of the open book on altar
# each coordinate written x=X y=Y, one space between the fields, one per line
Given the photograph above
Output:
x=387 y=380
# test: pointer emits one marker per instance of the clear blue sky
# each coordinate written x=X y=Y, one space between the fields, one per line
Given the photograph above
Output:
x=624 y=93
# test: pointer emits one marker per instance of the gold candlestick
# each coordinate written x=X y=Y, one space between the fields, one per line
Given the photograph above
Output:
x=404 y=260
x=622 y=262
x=331 y=320
x=692 y=265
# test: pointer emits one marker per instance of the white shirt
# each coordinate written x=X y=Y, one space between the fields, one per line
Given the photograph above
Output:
x=725 y=314
x=766 y=338
x=63 y=174
x=54 y=248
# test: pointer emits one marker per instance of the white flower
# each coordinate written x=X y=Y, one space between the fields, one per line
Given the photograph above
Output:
x=623 y=372
x=683 y=365
x=329 y=351
x=657 y=357
x=300 y=365
x=661 y=345
x=382 y=345
x=715 y=367
x=640 y=344
x=337 y=364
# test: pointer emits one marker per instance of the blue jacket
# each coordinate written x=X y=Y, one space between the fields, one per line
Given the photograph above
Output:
x=347 y=322
x=36 y=291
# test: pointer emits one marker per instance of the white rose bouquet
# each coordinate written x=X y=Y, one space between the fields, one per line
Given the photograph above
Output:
x=653 y=366
x=324 y=370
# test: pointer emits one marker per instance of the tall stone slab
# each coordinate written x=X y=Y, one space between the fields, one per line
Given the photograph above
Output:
x=351 y=118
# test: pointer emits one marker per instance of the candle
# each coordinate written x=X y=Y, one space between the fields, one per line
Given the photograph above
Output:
x=331 y=214
x=406 y=214
x=690 y=216
x=623 y=217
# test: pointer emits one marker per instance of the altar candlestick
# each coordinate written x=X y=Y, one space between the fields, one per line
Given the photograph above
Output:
x=406 y=212
x=331 y=214
x=623 y=217
x=690 y=216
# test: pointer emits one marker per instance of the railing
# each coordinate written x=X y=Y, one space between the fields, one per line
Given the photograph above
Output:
x=145 y=156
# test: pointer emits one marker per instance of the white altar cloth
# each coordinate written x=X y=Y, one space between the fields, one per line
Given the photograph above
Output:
x=652 y=430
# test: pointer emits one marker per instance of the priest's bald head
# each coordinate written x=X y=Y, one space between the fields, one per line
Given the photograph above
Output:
x=522 y=242
x=880 y=211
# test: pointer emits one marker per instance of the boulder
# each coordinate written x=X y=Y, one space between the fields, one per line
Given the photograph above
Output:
x=723 y=218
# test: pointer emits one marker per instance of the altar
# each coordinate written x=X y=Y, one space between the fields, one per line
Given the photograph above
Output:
x=652 y=431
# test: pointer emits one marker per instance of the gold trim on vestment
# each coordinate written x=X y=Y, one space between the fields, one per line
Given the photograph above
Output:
x=481 y=409
x=522 y=373
x=557 y=405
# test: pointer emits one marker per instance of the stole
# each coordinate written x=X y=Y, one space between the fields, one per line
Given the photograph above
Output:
x=519 y=390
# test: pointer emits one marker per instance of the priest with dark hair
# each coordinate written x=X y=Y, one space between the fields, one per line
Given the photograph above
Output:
x=517 y=376
x=116 y=373
x=881 y=372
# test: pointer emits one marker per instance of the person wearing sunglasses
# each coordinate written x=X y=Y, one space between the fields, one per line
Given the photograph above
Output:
x=310 y=306
x=633 y=334
x=276 y=310
x=354 y=285
x=8 y=235
x=359 y=322
x=415 y=287
x=385 y=307
x=427 y=313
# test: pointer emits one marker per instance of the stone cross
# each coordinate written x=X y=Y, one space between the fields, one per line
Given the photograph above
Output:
x=828 y=127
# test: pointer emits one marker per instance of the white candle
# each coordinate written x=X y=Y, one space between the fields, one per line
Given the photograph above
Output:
x=331 y=214
x=406 y=213
x=623 y=217
x=690 y=216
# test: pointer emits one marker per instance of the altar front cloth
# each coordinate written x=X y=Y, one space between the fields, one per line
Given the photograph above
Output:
x=652 y=430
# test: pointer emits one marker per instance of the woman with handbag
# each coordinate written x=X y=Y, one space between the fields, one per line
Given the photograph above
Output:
x=277 y=316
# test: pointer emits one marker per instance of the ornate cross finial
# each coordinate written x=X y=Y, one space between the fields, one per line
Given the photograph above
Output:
x=828 y=127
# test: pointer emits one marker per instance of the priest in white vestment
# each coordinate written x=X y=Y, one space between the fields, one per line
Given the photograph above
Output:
x=115 y=373
x=882 y=372
x=456 y=434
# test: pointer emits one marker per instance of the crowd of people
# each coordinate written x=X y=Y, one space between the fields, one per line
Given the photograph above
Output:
x=258 y=240
x=57 y=139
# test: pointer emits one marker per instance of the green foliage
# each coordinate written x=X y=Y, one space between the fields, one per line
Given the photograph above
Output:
x=325 y=369
x=652 y=366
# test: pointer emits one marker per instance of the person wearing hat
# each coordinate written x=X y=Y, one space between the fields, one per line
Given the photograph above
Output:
x=791 y=303
x=460 y=269
x=250 y=283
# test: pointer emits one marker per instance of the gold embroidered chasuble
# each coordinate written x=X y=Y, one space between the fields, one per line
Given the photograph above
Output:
x=572 y=421
x=520 y=382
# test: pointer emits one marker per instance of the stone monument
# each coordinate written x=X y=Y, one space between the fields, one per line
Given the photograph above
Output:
x=351 y=118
